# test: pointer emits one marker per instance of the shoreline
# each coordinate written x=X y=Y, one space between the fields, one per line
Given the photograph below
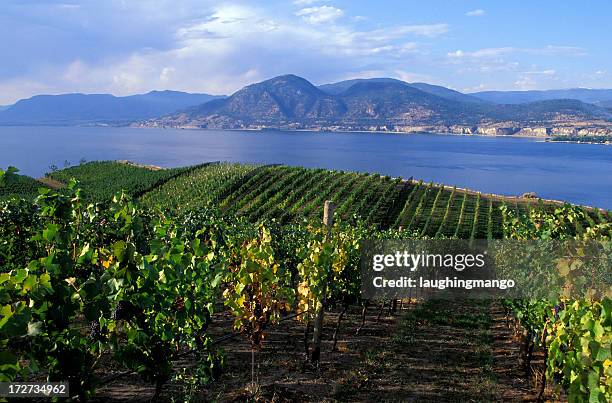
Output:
x=542 y=139
x=345 y=132
x=578 y=142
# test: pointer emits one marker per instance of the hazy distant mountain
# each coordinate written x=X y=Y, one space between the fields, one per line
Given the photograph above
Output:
x=3 y=107
x=73 y=109
x=518 y=97
x=337 y=88
x=293 y=102
x=446 y=93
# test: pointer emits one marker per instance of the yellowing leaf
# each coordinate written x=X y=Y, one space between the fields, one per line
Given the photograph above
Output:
x=563 y=267
x=108 y=262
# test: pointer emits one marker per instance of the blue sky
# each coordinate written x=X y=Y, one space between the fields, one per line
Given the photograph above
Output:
x=131 y=46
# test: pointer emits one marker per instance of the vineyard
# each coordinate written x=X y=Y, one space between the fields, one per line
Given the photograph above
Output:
x=289 y=194
x=222 y=282
x=22 y=186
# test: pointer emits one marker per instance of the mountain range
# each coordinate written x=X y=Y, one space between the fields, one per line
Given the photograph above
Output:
x=292 y=102
x=74 y=109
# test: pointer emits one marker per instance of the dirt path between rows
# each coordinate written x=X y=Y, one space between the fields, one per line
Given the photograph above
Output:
x=450 y=351
x=434 y=351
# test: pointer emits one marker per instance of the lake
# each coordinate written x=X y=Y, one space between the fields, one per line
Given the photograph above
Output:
x=579 y=173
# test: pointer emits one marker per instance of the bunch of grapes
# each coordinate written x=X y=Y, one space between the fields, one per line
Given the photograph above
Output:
x=558 y=308
x=95 y=331
x=179 y=304
x=125 y=310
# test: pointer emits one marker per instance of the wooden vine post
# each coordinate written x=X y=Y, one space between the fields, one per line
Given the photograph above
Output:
x=315 y=354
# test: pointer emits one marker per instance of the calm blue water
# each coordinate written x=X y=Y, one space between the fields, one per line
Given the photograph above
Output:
x=578 y=173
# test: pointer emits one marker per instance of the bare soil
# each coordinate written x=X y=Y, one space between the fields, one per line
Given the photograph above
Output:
x=433 y=351
x=52 y=183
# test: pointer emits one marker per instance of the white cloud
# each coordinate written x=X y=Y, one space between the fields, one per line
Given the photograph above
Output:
x=537 y=79
x=227 y=21
x=411 y=77
x=476 y=88
x=431 y=30
x=483 y=53
x=68 y=6
x=548 y=72
x=398 y=74
x=553 y=50
x=230 y=46
x=549 y=50
x=306 y=2
x=526 y=83
x=476 y=13
x=19 y=88
x=319 y=15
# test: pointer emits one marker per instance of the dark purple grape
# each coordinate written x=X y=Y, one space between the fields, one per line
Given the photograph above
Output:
x=125 y=310
x=95 y=331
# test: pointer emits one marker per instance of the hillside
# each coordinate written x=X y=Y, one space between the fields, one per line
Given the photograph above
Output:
x=73 y=109
x=289 y=194
x=20 y=186
x=400 y=103
x=443 y=92
x=605 y=104
x=102 y=179
x=291 y=102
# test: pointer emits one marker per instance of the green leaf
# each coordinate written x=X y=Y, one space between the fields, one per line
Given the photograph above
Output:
x=45 y=281
x=217 y=280
x=20 y=275
x=598 y=330
x=50 y=232
x=29 y=283
x=7 y=358
x=603 y=354
x=119 y=249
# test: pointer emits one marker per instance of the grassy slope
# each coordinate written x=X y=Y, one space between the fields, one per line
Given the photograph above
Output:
x=101 y=180
x=198 y=187
x=289 y=193
x=22 y=187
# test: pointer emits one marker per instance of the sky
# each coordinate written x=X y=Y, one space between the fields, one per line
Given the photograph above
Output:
x=134 y=46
